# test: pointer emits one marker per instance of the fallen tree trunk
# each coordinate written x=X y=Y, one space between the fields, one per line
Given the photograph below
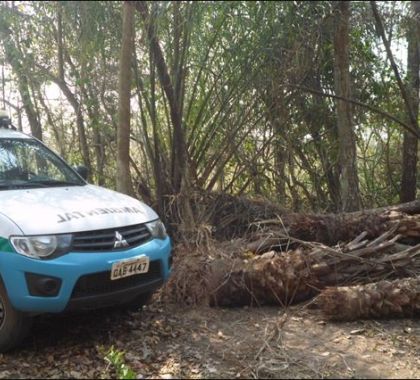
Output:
x=233 y=217
x=293 y=276
x=284 y=258
x=239 y=216
x=331 y=229
x=384 y=299
x=224 y=217
x=284 y=278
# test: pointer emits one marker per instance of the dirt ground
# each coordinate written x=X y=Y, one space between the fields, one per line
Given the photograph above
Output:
x=170 y=341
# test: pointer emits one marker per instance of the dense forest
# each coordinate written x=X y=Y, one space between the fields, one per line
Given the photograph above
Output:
x=311 y=105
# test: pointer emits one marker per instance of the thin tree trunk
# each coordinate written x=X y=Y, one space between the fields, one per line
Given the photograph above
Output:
x=410 y=145
x=124 y=183
x=57 y=135
x=327 y=158
x=179 y=150
x=159 y=173
x=280 y=145
x=3 y=87
x=100 y=155
x=80 y=123
x=28 y=105
x=179 y=154
x=409 y=164
x=19 y=113
x=60 y=41
x=349 y=183
x=75 y=104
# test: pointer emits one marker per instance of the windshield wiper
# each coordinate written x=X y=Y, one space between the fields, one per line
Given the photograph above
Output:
x=53 y=182
x=36 y=184
x=5 y=186
x=19 y=185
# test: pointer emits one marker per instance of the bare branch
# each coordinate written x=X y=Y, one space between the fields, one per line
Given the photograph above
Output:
x=385 y=114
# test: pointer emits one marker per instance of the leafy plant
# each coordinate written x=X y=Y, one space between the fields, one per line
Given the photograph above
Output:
x=116 y=358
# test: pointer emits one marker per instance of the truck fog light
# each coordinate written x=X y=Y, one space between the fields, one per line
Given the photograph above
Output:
x=42 y=286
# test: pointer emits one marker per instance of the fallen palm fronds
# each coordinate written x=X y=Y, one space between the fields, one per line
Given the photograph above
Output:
x=293 y=257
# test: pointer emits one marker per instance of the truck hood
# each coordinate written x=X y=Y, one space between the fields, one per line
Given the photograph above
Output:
x=57 y=210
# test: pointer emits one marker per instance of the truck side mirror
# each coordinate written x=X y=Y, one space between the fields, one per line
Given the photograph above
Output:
x=82 y=171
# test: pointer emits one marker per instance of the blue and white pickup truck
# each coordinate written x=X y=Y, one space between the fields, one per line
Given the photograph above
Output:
x=66 y=244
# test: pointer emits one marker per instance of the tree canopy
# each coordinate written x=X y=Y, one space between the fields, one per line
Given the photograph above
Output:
x=280 y=100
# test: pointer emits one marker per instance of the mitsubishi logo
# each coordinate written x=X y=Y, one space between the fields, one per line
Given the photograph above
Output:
x=119 y=242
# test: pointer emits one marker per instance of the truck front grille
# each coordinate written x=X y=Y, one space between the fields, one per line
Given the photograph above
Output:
x=101 y=283
x=104 y=240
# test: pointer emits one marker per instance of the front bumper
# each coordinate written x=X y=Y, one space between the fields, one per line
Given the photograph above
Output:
x=70 y=268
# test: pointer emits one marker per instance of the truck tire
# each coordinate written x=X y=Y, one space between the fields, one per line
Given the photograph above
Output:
x=14 y=324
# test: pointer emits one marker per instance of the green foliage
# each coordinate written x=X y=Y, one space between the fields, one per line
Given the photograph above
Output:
x=234 y=67
x=115 y=358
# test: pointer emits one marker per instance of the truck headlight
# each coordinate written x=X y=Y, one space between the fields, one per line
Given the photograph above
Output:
x=38 y=247
x=157 y=229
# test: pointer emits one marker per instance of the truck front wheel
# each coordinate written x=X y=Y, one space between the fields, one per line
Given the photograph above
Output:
x=14 y=324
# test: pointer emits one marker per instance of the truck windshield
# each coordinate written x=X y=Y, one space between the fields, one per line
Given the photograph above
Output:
x=26 y=163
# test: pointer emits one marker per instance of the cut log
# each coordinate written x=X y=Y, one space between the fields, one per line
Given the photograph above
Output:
x=384 y=299
x=275 y=279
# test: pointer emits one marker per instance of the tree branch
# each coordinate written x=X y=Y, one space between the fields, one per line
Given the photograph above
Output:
x=404 y=94
x=407 y=127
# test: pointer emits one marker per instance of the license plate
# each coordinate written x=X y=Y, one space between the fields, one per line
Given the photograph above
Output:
x=129 y=267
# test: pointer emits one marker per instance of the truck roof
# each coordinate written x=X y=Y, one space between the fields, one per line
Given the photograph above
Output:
x=6 y=133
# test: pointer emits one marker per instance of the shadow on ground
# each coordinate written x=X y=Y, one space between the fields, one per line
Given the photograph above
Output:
x=166 y=340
